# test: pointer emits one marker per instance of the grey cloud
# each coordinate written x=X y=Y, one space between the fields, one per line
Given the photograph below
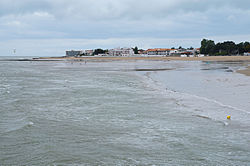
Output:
x=57 y=47
x=109 y=19
x=19 y=7
x=119 y=9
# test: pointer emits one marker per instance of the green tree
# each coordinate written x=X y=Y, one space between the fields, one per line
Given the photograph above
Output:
x=230 y=47
x=99 y=51
x=207 y=47
x=246 y=43
x=135 y=50
x=241 y=48
x=247 y=48
x=226 y=48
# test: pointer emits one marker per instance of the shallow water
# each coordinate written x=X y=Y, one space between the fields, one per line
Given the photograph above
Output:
x=72 y=113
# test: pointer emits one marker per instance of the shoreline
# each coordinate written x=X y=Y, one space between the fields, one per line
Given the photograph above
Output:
x=245 y=71
x=207 y=58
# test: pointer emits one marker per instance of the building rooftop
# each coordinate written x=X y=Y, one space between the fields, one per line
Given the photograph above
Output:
x=160 y=49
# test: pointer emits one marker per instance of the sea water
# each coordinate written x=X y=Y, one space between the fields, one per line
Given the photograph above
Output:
x=107 y=113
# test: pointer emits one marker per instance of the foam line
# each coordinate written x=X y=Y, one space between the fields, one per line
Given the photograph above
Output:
x=194 y=96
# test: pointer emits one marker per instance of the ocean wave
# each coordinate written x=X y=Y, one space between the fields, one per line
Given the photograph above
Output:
x=225 y=123
x=210 y=100
x=7 y=128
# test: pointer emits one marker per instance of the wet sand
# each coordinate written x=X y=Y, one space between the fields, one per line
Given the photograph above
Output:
x=245 y=71
x=245 y=59
x=207 y=58
x=164 y=69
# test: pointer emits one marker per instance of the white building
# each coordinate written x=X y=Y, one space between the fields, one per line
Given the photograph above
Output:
x=247 y=54
x=162 y=52
x=89 y=52
x=173 y=52
x=157 y=51
x=121 y=52
x=200 y=55
x=184 y=56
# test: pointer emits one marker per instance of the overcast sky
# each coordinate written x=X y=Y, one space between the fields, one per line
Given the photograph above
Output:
x=49 y=27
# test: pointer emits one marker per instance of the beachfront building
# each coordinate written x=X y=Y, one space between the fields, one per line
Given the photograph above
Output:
x=187 y=54
x=173 y=52
x=157 y=51
x=141 y=51
x=74 y=53
x=89 y=52
x=121 y=52
x=247 y=54
x=162 y=52
x=197 y=52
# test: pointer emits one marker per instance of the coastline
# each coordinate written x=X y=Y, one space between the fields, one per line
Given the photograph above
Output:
x=135 y=58
x=207 y=58
x=202 y=81
x=245 y=71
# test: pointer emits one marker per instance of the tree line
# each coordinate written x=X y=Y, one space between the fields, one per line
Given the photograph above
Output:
x=208 y=47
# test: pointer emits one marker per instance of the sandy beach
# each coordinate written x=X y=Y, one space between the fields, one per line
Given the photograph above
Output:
x=245 y=71
x=207 y=58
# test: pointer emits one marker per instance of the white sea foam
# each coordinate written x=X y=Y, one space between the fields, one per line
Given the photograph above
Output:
x=30 y=123
x=210 y=100
x=15 y=126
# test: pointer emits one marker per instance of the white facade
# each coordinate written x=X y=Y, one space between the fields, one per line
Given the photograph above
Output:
x=121 y=52
x=89 y=52
x=200 y=55
x=172 y=52
x=153 y=52
x=162 y=52
x=247 y=54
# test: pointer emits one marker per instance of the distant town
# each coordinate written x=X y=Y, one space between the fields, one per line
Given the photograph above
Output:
x=208 y=48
